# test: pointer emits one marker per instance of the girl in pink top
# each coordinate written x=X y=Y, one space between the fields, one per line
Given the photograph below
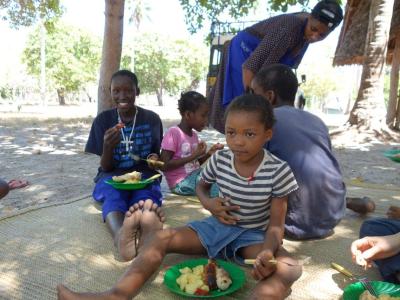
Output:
x=181 y=149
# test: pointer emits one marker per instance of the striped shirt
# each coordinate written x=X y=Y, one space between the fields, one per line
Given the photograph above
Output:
x=272 y=179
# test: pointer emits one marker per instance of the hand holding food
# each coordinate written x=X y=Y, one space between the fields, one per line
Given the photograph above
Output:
x=203 y=278
x=372 y=248
x=214 y=148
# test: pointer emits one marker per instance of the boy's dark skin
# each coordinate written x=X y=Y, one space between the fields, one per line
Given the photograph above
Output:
x=123 y=93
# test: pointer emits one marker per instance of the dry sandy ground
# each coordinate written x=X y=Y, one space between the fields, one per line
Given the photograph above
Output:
x=47 y=149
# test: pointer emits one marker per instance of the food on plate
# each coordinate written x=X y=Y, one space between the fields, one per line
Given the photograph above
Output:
x=127 y=178
x=202 y=279
x=367 y=296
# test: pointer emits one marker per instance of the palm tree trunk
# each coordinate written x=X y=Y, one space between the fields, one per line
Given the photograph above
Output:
x=112 y=49
x=394 y=85
x=369 y=109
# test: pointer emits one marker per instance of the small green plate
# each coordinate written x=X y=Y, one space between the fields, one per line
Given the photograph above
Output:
x=129 y=186
x=353 y=291
x=393 y=155
x=237 y=275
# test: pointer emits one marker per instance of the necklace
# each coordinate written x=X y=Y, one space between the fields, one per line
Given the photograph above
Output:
x=125 y=140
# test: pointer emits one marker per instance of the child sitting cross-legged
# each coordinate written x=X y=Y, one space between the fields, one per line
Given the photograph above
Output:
x=247 y=219
x=182 y=151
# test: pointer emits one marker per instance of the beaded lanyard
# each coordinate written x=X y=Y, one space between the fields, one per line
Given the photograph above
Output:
x=125 y=140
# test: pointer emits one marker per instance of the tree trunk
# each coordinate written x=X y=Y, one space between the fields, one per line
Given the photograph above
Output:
x=112 y=49
x=159 y=94
x=61 y=96
x=394 y=85
x=369 y=109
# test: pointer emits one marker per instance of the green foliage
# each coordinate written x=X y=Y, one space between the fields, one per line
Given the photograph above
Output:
x=72 y=57
x=166 y=65
x=28 y=12
x=196 y=11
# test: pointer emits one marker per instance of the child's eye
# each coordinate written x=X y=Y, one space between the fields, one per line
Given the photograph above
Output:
x=250 y=134
x=230 y=133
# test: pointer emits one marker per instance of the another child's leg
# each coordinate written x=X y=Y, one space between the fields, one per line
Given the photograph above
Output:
x=4 y=188
x=277 y=286
x=157 y=243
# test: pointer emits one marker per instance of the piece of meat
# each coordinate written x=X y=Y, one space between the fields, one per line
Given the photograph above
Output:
x=210 y=274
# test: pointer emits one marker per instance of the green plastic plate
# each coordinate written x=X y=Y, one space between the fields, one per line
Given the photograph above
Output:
x=129 y=186
x=353 y=291
x=237 y=275
x=393 y=155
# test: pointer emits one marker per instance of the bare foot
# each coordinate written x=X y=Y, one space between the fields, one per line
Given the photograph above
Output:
x=64 y=293
x=360 y=205
x=393 y=212
x=152 y=219
x=127 y=236
x=17 y=184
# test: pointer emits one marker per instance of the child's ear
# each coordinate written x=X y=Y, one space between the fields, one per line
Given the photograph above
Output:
x=137 y=91
x=271 y=96
x=268 y=134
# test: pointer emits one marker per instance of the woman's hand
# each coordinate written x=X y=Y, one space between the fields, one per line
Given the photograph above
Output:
x=220 y=208
x=370 y=248
x=262 y=267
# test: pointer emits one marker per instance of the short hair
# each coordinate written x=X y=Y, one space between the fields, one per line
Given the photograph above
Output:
x=190 y=101
x=253 y=103
x=328 y=12
x=280 y=79
x=128 y=74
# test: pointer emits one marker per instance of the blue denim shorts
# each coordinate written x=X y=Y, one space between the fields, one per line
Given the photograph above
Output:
x=223 y=241
x=187 y=187
x=121 y=200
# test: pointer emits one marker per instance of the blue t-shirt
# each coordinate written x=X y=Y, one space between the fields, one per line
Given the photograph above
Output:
x=302 y=140
x=146 y=137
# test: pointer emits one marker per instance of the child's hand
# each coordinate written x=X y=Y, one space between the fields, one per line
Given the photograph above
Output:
x=262 y=267
x=220 y=208
x=112 y=137
x=200 y=150
x=214 y=148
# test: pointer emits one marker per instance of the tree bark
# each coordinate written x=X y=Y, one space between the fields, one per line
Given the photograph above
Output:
x=394 y=85
x=369 y=109
x=112 y=49
x=61 y=96
x=160 y=96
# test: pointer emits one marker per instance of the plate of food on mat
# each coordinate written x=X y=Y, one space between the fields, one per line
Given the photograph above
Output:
x=393 y=154
x=204 y=278
x=131 y=181
x=385 y=291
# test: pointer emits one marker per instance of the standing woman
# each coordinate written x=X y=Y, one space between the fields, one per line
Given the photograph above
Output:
x=281 y=39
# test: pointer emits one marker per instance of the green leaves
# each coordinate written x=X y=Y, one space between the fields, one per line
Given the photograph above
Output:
x=28 y=12
x=72 y=57
x=166 y=65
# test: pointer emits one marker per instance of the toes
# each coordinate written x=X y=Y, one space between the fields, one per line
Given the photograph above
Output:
x=141 y=204
x=148 y=204
x=154 y=207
